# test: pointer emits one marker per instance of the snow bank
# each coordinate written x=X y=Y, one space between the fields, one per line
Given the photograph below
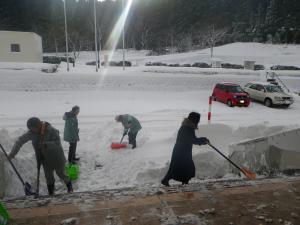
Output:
x=44 y=67
x=102 y=168
x=270 y=153
x=10 y=185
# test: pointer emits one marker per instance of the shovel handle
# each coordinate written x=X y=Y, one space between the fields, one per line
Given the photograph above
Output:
x=226 y=158
x=13 y=166
x=122 y=139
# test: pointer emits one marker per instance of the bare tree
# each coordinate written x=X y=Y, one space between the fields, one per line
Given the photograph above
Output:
x=213 y=36
x=76 y=43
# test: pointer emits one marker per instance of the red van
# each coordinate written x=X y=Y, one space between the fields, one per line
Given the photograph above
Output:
x=231 y=94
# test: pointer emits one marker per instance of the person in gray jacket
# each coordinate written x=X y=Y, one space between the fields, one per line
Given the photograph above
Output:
x=131 y=124
x=48 y=151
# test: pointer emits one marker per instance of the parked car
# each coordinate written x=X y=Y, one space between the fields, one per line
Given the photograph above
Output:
x=231 y=94
x=269 y=94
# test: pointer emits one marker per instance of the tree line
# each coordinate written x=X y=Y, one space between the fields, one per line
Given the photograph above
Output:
x=157 y=25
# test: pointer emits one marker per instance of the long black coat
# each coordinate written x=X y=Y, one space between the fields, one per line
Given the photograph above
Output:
x=182 y=166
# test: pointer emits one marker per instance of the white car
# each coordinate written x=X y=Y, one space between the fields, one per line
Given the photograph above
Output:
x=269 y=94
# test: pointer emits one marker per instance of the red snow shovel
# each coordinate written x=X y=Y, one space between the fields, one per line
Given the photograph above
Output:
x=245 y=171
x=118 y=145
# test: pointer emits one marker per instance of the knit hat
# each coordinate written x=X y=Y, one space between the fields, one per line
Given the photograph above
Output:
x=33 y=122
x=75 y=108
x=194 y=117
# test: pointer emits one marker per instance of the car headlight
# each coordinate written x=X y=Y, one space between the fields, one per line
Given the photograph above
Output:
x=277 y=98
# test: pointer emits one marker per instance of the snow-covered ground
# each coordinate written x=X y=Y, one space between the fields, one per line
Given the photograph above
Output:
x=159 y=97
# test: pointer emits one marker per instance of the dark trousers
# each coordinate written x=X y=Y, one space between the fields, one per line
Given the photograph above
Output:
x=72 y=152
x=132 y=138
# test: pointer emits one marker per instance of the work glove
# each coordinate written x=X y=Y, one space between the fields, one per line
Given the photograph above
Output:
x=10 y=157
x=204 y=140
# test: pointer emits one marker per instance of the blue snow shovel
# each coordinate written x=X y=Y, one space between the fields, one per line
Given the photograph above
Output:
x=27 y=187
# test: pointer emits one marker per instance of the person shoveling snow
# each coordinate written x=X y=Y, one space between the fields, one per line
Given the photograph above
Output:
x=182 y=167
x=131 y=127
x=48 y=151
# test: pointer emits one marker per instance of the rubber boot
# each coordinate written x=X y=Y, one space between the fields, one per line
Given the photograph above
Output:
x=50 y=189
x=70 y=187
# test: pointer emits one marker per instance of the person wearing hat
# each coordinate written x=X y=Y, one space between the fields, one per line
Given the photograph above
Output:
x=131 y=124
x=71 y=132
x=182 y=166
x=48 y=151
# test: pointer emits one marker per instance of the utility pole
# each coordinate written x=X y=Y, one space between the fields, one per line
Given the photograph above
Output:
x=99 y=37
x=96 y=47
x=123 y=34
x=66 y=35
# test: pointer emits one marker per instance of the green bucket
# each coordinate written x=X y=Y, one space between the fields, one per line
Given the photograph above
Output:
x=72 y=171
x=4 y=216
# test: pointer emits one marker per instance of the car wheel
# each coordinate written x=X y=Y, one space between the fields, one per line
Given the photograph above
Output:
x=268 y=102
x=229 y=103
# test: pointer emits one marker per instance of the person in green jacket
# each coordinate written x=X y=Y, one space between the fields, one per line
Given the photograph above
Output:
x=131 y=124
x=71 y=132
x=48 y=151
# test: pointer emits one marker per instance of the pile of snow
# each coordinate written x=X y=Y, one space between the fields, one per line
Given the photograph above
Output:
x=44 y=67
x=102 y=168
x=271 y=152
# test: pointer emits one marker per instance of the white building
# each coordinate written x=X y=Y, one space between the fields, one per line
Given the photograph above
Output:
x=18 y=46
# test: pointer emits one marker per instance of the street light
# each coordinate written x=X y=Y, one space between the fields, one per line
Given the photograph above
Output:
x=96 y=47
x=123 y=34
x=66 y=35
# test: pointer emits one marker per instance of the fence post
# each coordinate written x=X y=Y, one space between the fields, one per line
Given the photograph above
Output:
x=209 y=109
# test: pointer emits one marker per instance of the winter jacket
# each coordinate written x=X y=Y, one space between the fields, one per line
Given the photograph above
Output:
x=130 y=122
x=182 y=166
x=50 y=153
x=71 y=131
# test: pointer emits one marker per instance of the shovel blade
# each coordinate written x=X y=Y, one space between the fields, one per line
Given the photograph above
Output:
x=28 y=189
x=248 y=173
x=117 y=145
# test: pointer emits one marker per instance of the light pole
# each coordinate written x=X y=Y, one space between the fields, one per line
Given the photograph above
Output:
x=66 y=35
x=96 y=47
x=123 y=34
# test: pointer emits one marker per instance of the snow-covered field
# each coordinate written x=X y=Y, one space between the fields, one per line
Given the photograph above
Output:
x=159 y=97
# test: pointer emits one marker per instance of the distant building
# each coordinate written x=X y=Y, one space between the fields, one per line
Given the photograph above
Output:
x=18 y=46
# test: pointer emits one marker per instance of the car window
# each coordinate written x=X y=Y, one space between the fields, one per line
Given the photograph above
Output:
x=260 y=87
x=248 y=85
x=253 y=86
x=234 y=89
x=221 y=87
x=273 y=88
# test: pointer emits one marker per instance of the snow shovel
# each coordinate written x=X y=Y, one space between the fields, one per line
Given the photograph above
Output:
x=27 y=187
x=118 y=145
x=245 y=171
